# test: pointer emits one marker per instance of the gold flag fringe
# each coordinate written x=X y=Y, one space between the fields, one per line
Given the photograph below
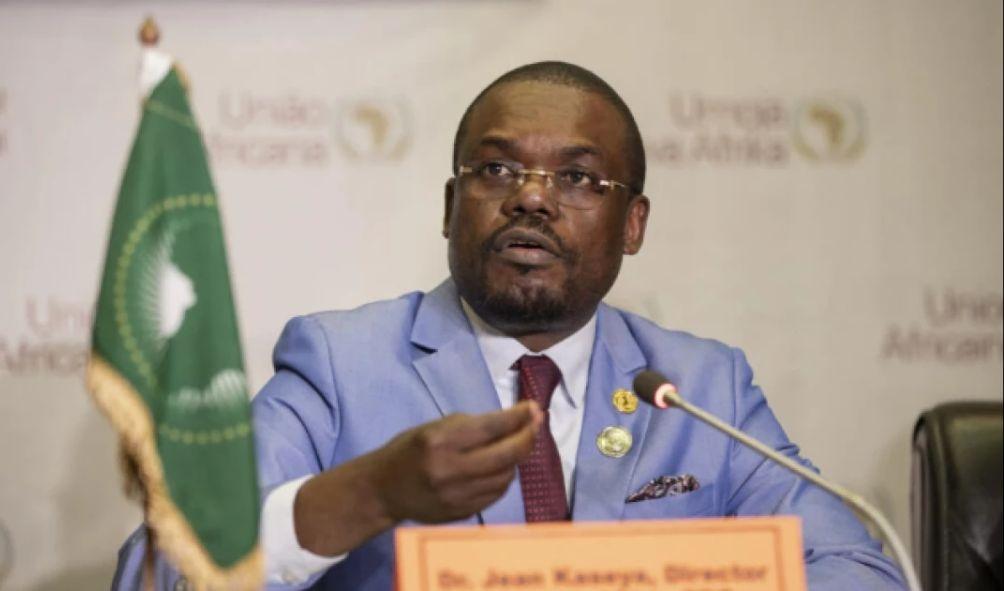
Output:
x=125 y=408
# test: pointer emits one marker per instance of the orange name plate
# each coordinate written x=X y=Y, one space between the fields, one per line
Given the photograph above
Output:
x=743 y=554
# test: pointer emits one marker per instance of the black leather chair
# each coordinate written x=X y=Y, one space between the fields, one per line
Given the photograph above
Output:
x=955 y=497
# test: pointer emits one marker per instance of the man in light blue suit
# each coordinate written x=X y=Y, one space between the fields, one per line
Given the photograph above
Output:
x=406 y=410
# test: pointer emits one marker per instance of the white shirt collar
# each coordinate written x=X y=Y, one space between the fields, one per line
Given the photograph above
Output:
x=571 y=354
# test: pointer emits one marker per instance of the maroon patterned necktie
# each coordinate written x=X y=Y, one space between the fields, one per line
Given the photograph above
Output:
x=540 y=475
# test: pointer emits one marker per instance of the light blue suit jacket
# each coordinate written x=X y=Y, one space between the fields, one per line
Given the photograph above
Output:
x=347 y=382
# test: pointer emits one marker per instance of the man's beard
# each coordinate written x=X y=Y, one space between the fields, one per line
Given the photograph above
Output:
x=518 y=308
x=532 y=308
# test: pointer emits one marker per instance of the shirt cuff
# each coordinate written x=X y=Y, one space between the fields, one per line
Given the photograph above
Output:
x=286 y=562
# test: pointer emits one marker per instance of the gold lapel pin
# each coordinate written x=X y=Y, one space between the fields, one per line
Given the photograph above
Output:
x=625 y=401
x=614 y=442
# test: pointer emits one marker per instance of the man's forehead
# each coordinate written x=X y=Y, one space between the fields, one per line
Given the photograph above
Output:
x=519 y=97
x=543 y=110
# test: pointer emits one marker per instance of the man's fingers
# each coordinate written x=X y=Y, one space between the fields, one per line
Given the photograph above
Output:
x=502 y=454
x=475 y=431
x=492 y=484
x=466 y=493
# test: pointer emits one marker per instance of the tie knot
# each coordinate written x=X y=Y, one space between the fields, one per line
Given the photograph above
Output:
x=538 y=377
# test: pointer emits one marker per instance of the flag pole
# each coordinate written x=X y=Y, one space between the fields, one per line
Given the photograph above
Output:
x=149 y=36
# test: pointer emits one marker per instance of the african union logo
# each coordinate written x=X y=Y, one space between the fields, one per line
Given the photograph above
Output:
x=154 y=294
x=161 y=293
x=829 y=130
x=373 y=129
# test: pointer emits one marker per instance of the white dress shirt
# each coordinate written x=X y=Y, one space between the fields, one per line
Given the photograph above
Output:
x=568 y=402
x=287 y=562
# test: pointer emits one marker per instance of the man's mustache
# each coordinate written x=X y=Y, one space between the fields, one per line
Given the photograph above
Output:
x=533 y=223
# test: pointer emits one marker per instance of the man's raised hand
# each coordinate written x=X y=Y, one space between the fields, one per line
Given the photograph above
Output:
x=439 y=471
x=452 y=468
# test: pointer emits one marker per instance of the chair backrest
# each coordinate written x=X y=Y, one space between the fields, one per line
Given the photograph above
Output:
x=955 y=497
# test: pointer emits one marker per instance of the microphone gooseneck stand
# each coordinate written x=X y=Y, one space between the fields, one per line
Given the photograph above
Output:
x=656 y=390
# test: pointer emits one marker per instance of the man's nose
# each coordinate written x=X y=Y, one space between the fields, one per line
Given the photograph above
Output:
x=536 y=194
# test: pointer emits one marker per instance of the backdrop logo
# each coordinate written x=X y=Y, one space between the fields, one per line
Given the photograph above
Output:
x=295 y=130
x=829 y=129
x=54 y=341
x=373 y=130
x=760 y=131
x=956 y=327
x=269 y=131
x=723 y=131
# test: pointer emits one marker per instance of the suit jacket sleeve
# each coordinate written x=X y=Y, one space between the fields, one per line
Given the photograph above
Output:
x=840 y=555
x=129 y=571
x=296 y=417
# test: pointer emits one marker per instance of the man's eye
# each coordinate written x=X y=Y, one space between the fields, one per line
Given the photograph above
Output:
x=496 y=170
x=577 y=178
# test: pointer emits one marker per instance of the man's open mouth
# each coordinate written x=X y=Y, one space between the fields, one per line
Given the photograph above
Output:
x=522 y=238
x=526 y=247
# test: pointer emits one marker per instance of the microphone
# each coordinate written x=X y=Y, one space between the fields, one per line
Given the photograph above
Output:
x=656 y=390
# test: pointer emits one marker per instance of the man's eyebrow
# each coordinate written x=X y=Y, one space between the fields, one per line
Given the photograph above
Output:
x=506 y=145
x=581 y=150
x=509 y=146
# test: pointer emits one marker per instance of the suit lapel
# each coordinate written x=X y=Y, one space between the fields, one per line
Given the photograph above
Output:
x=601 y=482
x=456 y=376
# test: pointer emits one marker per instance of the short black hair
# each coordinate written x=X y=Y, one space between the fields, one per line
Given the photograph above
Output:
x=567 y=74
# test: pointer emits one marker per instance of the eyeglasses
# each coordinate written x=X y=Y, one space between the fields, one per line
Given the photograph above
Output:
x=577 y=187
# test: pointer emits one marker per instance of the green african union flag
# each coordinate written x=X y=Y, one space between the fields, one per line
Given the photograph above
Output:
x=167 y=366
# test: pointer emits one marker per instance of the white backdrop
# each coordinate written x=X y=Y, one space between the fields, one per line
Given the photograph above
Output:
x=826 y=183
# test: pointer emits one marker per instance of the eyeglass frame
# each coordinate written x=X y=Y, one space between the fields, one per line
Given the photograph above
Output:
x=521 y=174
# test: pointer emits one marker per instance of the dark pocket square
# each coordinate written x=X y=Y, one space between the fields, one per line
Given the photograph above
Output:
x=665 y=485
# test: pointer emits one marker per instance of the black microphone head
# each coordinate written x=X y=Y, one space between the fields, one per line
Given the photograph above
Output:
x=646 y=383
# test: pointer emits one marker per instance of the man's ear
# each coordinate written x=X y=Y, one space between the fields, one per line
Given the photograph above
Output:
x=448 y=206
x=634 y=224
